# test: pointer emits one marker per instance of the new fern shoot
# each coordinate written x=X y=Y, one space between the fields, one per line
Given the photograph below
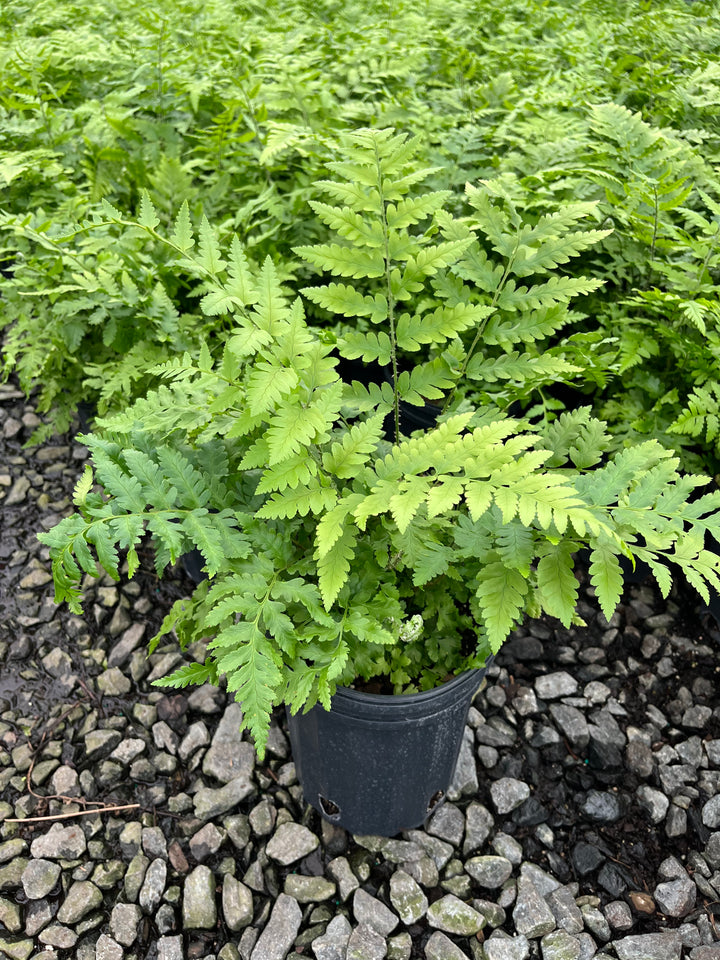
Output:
x=322 y=538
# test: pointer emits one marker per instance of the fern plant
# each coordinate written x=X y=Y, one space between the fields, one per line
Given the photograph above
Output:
x=650 y=331
x=237 y=115
x=93 y=311
x=335 y=552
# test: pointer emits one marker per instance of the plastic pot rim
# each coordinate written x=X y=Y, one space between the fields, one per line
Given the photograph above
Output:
x=402 y=707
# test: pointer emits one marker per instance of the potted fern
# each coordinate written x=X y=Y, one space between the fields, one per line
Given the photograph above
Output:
x=336 y=557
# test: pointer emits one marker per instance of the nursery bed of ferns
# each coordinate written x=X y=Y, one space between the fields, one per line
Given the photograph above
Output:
x=235 y=109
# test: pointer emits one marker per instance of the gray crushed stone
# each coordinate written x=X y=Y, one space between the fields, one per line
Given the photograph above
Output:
x=581 y=746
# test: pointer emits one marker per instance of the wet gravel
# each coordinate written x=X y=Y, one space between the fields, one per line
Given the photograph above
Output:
x=584 y=820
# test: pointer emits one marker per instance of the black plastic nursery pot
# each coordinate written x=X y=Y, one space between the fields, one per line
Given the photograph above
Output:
x=192 y=564
x=411 y=417
x=379 y=764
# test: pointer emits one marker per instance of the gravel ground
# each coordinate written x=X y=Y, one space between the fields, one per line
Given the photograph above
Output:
x=584 y=819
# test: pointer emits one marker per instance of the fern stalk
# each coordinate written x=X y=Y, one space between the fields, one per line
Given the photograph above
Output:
x=480 y=329
x=389 y=292
x=703 y=267
x=656 y=214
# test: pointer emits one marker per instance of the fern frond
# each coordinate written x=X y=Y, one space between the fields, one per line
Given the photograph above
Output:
x=182 y=235
x=267 y=384
x=519 y=366
x=500 y=593
x=344 y=261
x=404 y=504
x=209 y=256
x=345 y=458
x=292 y=472
x=247 y=656
x=190 y=673
x=542 y=295
x=346 y=301
x=291 y=428
x=298 y=501
x=444 y=323
x=557 y=584
x=334 y=565
x=83 y=487
x=525 y=327
x=606 y=576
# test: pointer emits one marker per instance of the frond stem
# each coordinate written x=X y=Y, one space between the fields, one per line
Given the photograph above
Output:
x=390 y=298
x=481 y=326
x=655 y=225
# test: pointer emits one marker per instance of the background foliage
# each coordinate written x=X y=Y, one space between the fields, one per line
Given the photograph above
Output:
x=236 y=108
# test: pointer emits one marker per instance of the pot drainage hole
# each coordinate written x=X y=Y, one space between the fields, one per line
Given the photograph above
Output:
x=435 y=800
x=330 y=809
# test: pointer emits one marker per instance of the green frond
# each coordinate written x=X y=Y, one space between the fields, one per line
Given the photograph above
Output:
x=292 y=472
x=444 y=495
x=344 y=261
x=530 y=260
x=240 y=285
x=368 y=347
x=525 y=327
x=557 y=584
x=515 y=546
x=126 y=490
x=346 y=457
x=444 y=323
x=606 y=484
x=334 y=565
x=412 y=210
x=331 y=524
x=489 y=217
x=298 y=501
x=520 y=366
x=606 y=576
x=346 y=301
x=101 y=536
x=500 y=594
x=350 y=225
x=429 y=260
x=576 y=436
x=190 y=485
x=207 y=539
x=182 y=235
x=127 y=530
x=356 y=196
x=291 y=428
x=209 y=256
x=479 y=497
x=542 y=295
x=426 y=381
x=404 y=504
x=267 y=384
x=190 y=673
x=247 y=656
x=168 y=536
x=83 y=487
x=147 y=215
x=270 y=303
